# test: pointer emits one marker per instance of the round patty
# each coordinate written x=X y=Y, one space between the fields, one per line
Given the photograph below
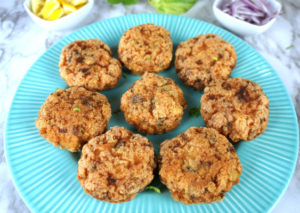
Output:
x=69 y=118
x=154 y=104
x=199 y=166
x=117 y=165
x=203 y=59
x=89 y=64
x=237 y=108
x=146 y=48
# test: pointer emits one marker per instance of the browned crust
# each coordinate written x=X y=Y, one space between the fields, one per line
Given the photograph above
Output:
x=203 y=59
x=199 y=166
x=146 y=48
x=69 y=129
x=237 y=108
x=154 y=104
x=89 y=63
x=117 y=165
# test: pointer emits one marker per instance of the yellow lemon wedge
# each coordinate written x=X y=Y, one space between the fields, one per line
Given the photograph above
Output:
x=56 y=14
x=49 y=8
x=78 y=2
x=36 y=6
x=68 y=8
x=54 y=9
x=80 y=6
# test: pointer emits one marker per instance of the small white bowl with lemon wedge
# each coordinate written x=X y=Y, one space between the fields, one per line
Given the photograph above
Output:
x=58 y=20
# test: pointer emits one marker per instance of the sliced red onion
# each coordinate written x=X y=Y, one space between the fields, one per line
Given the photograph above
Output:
x=250 y=5
x=256 y=20
x=257 y=12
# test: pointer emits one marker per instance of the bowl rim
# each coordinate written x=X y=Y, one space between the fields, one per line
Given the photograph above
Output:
x=216 y=9
x=27 y=3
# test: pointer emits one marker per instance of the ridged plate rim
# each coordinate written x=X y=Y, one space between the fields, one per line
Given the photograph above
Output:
x=163 y=17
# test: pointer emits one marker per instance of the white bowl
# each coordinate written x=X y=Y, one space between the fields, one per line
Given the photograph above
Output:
x=67 y=22
x=242 y=27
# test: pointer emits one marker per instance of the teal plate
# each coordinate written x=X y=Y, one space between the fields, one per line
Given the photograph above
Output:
x=45 y=176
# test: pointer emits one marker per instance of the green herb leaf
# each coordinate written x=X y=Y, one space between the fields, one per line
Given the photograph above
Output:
x=194 y=111
x=117 y=111
x=289 y=47
x=172 y=6
x=129 y=2
x=148 y=58
x=215 y=58
x=154 y=188
x=76 y=109
x=114 y=1
x=124 y=75
x=56 y=89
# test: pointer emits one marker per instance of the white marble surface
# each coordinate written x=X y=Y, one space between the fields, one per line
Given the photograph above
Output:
x=22 y=42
